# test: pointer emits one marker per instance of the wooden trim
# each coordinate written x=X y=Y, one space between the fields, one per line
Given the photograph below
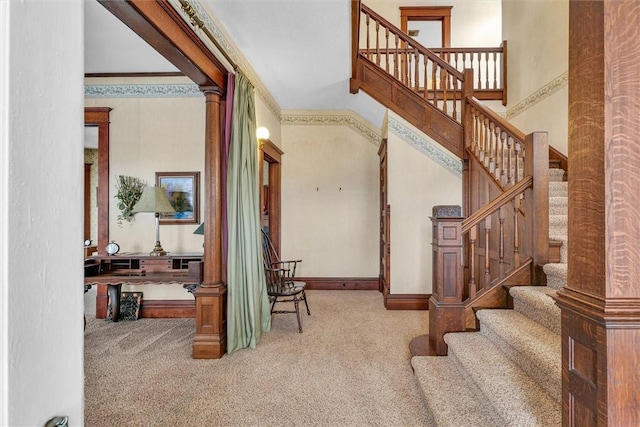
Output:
x=428 y=13
x=169 y=309
x=273 y=155
x=407 y=301
x=160 y=25
x=138 y=74
x=99 y=116
x=341 y=283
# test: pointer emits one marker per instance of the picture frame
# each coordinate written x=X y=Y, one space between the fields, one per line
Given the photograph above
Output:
x=183 y=192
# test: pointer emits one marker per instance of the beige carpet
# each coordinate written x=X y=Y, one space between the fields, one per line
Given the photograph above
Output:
x=350 y=367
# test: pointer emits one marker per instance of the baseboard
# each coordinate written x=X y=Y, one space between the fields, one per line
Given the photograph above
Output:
x=168 y=308
x=337 y=283
x=407 y=301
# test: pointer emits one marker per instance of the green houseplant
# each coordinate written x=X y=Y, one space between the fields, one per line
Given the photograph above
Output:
x=129 y=189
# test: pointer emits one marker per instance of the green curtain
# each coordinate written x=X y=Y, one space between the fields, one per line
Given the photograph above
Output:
x=248 y=312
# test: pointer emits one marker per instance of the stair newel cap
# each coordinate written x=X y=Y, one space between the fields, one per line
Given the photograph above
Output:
x=446 y=211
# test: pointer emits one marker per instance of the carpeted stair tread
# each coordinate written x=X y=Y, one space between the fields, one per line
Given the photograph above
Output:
x=451 y=400
x=556 y=175
x=557 y=224
x=536 y=303
x=558 y=205
x=557 y=189
x=514 y=395
x=556 y=274
x=531 y=346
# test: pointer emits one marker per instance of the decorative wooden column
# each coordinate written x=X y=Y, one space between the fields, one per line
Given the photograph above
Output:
x=601 y=303
x=210 y=341
x=446 y=309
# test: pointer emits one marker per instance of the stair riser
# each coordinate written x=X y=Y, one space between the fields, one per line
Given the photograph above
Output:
x=547 y=375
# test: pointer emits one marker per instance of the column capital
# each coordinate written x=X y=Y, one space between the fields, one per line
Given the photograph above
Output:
x=211 y=90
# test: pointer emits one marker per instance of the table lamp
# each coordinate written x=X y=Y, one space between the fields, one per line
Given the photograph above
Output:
x=154 y=199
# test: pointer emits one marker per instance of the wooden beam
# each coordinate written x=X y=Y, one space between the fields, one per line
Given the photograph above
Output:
x=160 y=25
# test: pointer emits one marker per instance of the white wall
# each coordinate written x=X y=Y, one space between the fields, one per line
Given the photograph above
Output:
x=330 y=199
x=474 y=23
x=538 y=37
x=149 y=135
x=416 y=183
x=41 y=181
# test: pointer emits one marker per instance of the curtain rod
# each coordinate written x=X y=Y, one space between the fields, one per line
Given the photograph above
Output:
x=199 y=23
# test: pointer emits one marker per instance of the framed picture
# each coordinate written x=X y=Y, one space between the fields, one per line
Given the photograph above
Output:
x=183 y=192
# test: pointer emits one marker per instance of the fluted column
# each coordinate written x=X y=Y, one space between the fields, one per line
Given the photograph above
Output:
x=210 y=341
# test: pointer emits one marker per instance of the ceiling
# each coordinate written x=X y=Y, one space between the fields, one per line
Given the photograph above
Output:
x=301 y=50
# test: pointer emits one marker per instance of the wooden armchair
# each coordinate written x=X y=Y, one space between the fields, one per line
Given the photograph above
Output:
x=281 y=283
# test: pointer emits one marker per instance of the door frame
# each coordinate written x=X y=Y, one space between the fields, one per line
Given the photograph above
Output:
x=270 y=153
x=428 y=13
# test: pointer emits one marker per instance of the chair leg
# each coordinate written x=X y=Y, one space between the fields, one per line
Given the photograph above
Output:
x=273 y=304
x=304 y=297
x=296 y=302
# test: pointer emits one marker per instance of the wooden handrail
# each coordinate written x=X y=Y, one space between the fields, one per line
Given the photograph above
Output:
x=415 y=46
x=504 y=124
x=496 y=203
x=355 y=35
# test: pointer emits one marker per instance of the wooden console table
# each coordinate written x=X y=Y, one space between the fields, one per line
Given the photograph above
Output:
x=141 y=269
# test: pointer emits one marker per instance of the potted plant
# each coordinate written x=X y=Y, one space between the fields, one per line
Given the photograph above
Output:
x=129 y=189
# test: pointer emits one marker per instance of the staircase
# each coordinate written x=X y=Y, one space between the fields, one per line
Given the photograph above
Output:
x=497 y=337
x=508 y=373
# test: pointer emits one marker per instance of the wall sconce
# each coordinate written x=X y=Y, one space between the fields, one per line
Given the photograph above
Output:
x=154 y=199
x=262 y=133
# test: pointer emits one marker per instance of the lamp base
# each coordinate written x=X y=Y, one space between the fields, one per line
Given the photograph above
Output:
x=158 y=251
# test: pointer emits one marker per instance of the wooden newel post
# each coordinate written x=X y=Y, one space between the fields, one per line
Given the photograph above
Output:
x=446 y=308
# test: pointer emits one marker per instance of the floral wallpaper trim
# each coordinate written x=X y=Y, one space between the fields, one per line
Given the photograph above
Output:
x=142 y=91
x=537 y=96
x=226 y=42
x=346 y=118
x=426 y=147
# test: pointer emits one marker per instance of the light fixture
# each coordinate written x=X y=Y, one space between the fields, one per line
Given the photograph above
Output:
x=262 y=133
x=154 y=199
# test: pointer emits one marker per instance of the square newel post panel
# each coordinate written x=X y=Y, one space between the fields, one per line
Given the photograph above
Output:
x=210 y=341
x=446 y=308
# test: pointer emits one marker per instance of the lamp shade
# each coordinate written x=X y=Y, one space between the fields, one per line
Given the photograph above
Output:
x=200 y=229
x=153 y=199
x=262 y=133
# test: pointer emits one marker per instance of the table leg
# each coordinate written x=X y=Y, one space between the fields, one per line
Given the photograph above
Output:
x=114 y=292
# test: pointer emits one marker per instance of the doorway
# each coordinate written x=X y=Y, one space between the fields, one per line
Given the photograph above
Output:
x=270 y=192
x=428 y=25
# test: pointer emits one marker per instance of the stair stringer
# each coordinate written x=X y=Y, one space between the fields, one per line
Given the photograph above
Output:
x=385 y=89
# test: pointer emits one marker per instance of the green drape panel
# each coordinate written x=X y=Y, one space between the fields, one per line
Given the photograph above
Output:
x=248 y=312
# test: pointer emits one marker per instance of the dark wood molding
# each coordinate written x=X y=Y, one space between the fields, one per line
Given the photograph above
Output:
x=385 y=89
x=160 y=25
x=135 y=74
x=99 y=116
x=273 y=155
x=428 y=13
x=168 y=309
x=338 y=283
x=407 y=301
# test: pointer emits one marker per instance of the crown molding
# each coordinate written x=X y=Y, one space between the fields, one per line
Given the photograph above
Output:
x=544 y=92
x=142 y=91
x=425 y=145
x=226 y=43
x=332 y=118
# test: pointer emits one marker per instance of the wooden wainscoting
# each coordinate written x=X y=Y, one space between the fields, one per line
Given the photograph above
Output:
x=335 y=283
x=168 y=308
x=407 y=301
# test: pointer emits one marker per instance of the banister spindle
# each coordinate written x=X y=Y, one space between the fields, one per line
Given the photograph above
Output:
x=495 y=73
x=386 y=51
x=454 y=93
x=396 y=60
x=477 y=55
x=426 y=77
x=492 y=149
x=416 y=71
x=368 y=37
x=487 y=143
x=473 y=236
x=509 y=158
x=486 y=69
x=487 y=258
x=433 y=83
x=516 y=233
x=378 y=43
x=518 y=160
x=476 y=131
x=501 y=217
x=443 y=86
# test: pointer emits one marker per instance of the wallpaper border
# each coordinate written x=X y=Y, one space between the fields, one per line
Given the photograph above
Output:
x=142 y=91
x=332 y=118
x=544 y=92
